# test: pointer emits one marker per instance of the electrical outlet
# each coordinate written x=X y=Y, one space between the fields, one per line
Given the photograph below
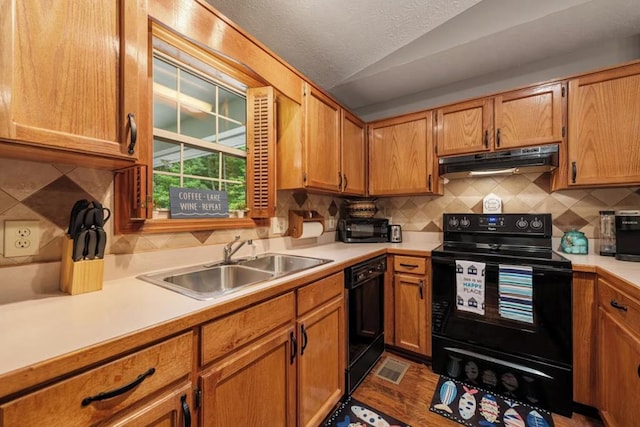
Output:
x=21 y=238
x=278 y=225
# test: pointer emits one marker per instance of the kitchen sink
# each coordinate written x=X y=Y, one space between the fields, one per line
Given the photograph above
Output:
x=208 y=281
x=280 y=264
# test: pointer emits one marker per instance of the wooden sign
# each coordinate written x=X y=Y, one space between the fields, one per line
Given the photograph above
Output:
x=198 y=203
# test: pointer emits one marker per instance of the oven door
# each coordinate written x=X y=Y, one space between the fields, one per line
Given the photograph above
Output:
x=544 y=333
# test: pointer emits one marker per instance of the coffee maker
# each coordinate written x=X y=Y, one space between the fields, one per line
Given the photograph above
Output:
x=628 y=235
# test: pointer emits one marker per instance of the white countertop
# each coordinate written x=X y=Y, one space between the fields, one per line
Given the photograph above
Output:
x=51 y=323
x=48 y=324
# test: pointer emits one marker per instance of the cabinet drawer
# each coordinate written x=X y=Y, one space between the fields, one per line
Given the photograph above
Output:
x=69 y=402
x=409 y=264
x=628 y=311
x=319 y=292
x=235 y=330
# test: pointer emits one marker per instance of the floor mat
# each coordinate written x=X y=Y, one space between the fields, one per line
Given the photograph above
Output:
x=473 y=406
x=353 y=413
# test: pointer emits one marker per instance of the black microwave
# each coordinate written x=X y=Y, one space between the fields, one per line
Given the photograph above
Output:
x=363 y=230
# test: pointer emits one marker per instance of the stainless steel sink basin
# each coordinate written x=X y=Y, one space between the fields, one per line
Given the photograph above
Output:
x=206 y=282
x=280 y=264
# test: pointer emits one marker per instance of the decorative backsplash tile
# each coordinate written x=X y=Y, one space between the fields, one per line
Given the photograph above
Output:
x=574 y=208
x=46 y=192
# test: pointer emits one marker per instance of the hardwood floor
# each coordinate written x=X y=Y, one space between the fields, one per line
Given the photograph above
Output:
x=409 y=401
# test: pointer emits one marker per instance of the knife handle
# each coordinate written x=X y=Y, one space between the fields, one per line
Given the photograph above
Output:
x=79 y=245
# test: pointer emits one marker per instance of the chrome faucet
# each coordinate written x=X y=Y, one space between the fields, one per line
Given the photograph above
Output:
x=229 y=250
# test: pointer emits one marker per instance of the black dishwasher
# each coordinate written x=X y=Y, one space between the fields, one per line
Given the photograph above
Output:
x=365 y=301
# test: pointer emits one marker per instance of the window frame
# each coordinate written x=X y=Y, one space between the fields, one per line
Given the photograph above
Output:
x=148 y=224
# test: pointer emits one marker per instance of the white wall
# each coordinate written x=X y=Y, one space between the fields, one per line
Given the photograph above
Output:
x=600 y=55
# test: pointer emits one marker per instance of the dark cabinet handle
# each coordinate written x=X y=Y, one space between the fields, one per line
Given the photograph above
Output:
x=117 y=392
x=186 y=413
x=421 y=286
x=134 y=133
x=339 y=181
x=305 y=339
x=638 y=371
x=346 y=183
x=574 y=172
x=408 y=265
x=616 y=304
x=486 y=138
x=294 y=347
x=498 y=137
x=429 y=182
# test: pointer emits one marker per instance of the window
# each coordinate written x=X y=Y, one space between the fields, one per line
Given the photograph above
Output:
x=199 y=128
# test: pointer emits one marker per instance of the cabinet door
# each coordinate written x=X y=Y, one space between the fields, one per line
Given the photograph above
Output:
x=412 y=300
x=321 y=362
x=353 y=155
x=604 y=124
x=173 y=409
x=584 y=338
x=465 y=128
x=619 y=371
x=322 y=137
x=75 y=74
x=400 y=155
x=252 y=387
x=531 y=116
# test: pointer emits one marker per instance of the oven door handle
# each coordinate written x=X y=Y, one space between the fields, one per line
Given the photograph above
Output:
x=498 y=361
x=450 y=262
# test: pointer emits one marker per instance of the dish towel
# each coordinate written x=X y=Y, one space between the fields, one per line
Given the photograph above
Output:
x=470 y=286
x=515 y=288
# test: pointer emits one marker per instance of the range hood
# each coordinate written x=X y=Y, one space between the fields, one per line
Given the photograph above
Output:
x=518 y=161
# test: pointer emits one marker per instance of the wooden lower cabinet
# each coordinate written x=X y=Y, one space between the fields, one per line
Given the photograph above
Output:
x=321 y=360
x=100 y=394
x=284 y=361
x=252 y=387
x=172 y=409
x=411 y=304
x=618 y=352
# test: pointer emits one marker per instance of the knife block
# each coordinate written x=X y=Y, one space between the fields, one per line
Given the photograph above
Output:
x=77 y=277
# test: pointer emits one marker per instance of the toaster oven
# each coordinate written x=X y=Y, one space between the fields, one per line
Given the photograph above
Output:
x=363 y=230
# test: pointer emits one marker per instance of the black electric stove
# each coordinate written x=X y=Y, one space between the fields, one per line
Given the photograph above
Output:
x=512 y=331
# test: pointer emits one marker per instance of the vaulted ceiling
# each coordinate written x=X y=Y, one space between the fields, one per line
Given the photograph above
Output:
x=367 y=53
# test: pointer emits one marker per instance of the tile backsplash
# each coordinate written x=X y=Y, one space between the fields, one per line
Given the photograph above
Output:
x=46 y=192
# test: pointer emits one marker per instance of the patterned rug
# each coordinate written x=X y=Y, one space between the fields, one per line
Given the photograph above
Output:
x=352 y=413
x=473 y=406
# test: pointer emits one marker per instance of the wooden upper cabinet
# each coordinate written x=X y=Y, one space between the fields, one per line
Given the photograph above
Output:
x=320 y=145
x=401 y=157
x=74 y=79
x=521 y=118
x=322 y=141
x=604 y=127
x=465 y=128
x=353 y=155
x=531 y=116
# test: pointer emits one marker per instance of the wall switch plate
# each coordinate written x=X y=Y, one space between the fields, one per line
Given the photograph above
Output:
x=331 y=223
x=21 y=238
x=278 y=225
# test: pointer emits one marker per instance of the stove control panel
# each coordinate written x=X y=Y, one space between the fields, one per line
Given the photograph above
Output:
x=526 y=224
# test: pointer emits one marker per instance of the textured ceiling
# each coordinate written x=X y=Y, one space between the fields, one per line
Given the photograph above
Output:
x=370 y=52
